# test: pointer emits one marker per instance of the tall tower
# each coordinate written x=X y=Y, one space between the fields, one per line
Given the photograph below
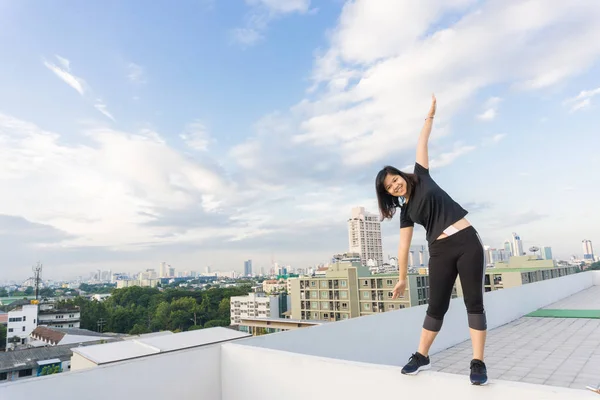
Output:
x=508 y=248
x=162 y=271
x=517 y=245
x=248 y=268
x=588 y=251
x=364 y=236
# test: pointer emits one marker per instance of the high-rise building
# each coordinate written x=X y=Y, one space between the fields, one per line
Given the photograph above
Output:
x=508 y=248
x=248 y=268
x=364 y=235
x=547 y=253
x=207 y=270
x=588 y=251
x=517 y=245
x=162 y=273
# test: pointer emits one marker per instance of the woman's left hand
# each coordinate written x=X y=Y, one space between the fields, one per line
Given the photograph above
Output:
x=432 y=108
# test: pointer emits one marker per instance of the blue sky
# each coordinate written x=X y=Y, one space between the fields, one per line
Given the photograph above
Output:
x=216 y=131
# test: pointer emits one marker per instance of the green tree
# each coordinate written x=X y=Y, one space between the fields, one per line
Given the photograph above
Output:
x=595 y=266
x=3 y=292
x=139 y=329
x=216 y=322
x=28 y=291
x=3 y=334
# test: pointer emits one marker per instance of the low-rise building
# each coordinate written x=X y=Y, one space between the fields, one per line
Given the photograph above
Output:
x=21 y=322
x=264 y=326
x=59 y=317
x=257 y=305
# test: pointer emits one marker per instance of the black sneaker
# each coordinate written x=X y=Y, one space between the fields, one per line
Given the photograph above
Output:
x=417 y=362
x=478 y=372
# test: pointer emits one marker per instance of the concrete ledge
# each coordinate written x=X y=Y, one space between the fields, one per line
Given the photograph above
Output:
x=322 y=378
x=389 y=338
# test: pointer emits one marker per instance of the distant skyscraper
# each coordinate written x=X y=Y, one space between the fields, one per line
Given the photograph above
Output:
x=364 y=236
x=588 y=251
x=547 y=253
x=162 y=271
x=517 y=245
x=248 y=268
x=208 y=270
x=508 y=248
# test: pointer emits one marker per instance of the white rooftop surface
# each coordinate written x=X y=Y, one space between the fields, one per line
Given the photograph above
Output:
x=359 y=358
x=588 y=299
x=549 y=351
x=69 y=339
x=118 y=351
x=193 y=338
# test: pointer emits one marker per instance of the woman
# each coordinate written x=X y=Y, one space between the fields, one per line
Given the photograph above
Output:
x=454 y=248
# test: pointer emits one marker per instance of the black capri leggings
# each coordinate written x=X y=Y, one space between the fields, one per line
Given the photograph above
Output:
x=458 y=254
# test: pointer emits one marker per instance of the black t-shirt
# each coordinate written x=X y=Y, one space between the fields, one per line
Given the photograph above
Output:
x=430 y=206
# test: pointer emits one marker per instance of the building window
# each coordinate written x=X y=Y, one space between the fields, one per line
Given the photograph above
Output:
x=343 y=283
x=314 y=305
x=314 y=294
x=392 y=306
x=24 y=318
x=325 y=305
x=366 y=295
x=313 y=283
x=389 y=282
x=25 y=372
x=3 y=376
x=324 y=295
x=367 y=306
x=344 y=294
x=390 y=295
x=23 y=329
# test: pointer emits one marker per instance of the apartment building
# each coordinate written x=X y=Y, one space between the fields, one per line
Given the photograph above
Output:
x=21 y=322
x=59 y=318
x=364 y=236
x=375 y=293
x=257 y=305
x=521 y=271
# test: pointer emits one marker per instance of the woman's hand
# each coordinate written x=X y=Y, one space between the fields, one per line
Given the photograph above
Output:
x=431 y=113
x=399 y=289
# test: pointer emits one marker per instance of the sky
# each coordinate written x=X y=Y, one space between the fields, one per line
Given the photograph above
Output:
x=204 y=133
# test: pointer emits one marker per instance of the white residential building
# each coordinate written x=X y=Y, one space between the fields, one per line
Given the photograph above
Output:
x=364 y=236
x=517 y=245
x=254 y=305
x=21 y=322
x=588 y=250
x=59 y=318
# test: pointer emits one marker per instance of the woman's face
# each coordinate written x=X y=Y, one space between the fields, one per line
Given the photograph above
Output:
x=395 y=185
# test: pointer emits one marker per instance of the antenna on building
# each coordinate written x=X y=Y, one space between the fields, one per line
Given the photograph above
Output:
x=37 y=272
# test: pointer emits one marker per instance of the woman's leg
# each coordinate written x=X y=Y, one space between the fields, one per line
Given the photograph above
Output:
x=442 y=276
x=471 y=270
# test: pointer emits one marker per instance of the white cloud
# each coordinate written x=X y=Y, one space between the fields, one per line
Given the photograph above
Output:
x=261 y=14
x=448 y=158
x=372 y=85
x=488 y=115
x=583 y=100
x=491 y=106
x=246 y=36
x=282 y=6
x=196 y=136
x=103 y=193
x=63 y=73
x=497 y=138
x=64 y=62
x=100 y=106
x=136 y=73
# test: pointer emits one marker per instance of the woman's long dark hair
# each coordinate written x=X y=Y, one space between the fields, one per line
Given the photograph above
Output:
x=387 y=202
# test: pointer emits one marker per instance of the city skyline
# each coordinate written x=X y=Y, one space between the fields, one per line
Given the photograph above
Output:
x=200 y=136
